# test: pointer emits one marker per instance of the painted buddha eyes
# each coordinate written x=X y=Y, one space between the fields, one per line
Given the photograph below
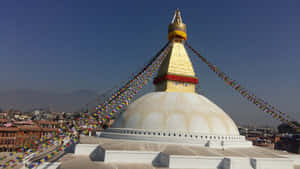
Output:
x=184 y=84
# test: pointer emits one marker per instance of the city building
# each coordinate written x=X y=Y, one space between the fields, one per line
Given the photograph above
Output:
x=17 y=134
x=264 y=137
x=8 y=138
x=48 y=127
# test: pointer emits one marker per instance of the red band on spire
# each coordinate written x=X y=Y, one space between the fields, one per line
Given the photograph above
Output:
x=177 y=78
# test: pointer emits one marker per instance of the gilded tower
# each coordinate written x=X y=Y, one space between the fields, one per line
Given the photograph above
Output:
x=176 y=73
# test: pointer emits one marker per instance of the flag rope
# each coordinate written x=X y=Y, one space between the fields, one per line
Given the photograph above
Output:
x=260 y=103
x=70 y=131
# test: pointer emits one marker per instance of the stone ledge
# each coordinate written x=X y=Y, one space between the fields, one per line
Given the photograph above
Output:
x=213 y=141
x=85 y=149
x=175 y=133
x=272 y=163
x=145 y=157
x=200 y=162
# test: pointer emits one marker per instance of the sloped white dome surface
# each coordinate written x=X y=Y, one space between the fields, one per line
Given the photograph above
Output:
x=177 y=111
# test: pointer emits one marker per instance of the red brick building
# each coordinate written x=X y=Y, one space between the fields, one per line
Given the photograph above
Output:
x=48 y=127
x=23 y=133
x=8 y=137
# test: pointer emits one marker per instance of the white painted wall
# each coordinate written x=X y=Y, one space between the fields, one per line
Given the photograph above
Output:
x=85 y=149
x=272 y=163
x=145 y=157
x=237 y=163
x=200 y=162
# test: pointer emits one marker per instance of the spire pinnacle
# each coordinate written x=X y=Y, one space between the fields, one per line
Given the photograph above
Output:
x=177 y=17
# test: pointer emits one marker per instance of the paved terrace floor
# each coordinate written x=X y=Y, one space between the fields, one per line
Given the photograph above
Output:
x=81 y=162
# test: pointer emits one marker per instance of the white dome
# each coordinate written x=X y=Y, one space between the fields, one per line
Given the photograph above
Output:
x=177 y=111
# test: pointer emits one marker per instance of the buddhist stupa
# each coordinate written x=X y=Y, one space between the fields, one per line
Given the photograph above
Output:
x=174 y=127
x=175 y=112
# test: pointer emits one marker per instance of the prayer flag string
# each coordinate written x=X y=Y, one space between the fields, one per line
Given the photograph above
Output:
x=69 y=133
x=260 y=103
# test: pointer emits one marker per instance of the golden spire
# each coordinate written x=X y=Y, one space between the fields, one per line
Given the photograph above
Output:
x=177 y=29
x=176 y=73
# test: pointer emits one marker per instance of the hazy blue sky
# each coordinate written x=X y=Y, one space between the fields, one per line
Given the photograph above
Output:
x=64 y=46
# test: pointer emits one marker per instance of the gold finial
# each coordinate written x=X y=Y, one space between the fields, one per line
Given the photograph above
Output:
x=177 y=17
x=177 y=29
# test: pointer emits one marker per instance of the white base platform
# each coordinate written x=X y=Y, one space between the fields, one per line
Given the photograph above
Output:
x=160 y=159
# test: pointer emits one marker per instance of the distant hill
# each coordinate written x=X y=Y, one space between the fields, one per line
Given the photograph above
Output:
x=26 y=100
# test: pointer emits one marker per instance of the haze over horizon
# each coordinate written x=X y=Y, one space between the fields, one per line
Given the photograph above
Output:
x=55 y=49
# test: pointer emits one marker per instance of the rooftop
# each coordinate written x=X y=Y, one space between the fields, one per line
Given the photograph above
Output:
x=29 y=127
x=9 y=129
